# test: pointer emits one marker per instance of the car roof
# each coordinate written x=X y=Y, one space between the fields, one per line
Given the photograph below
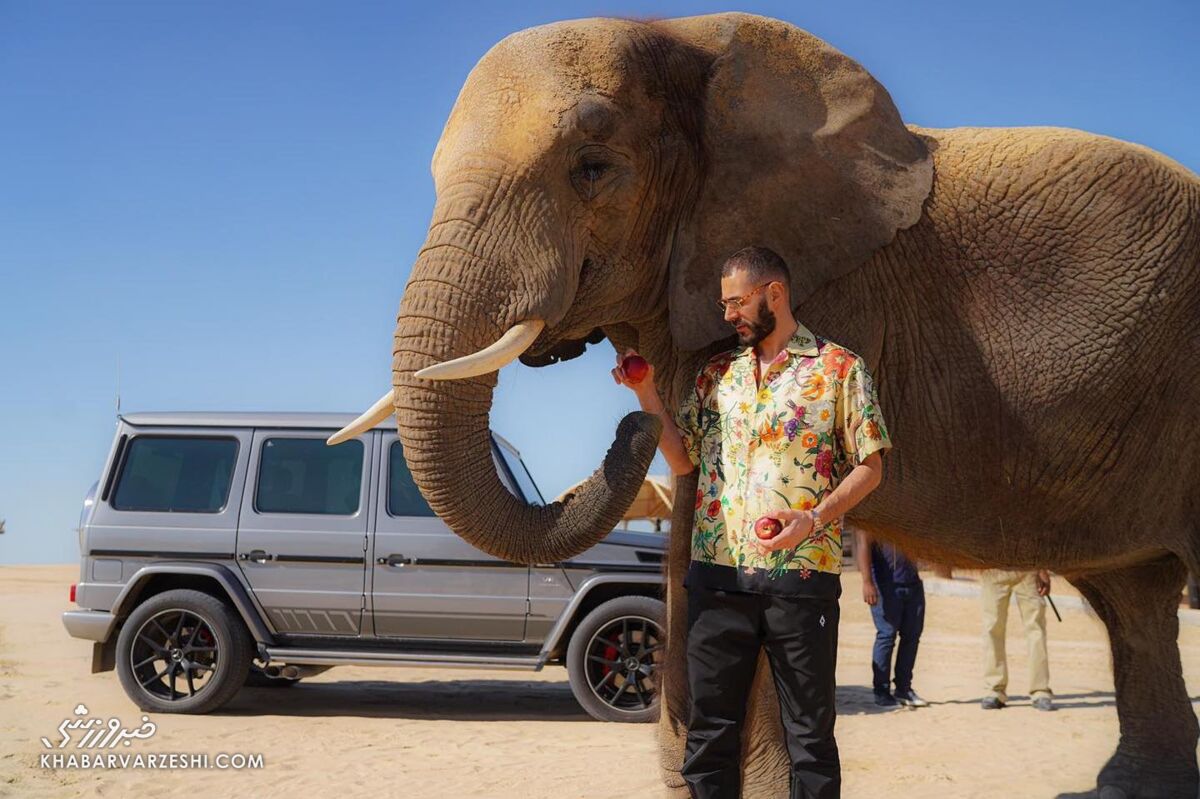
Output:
x=243 y=419
x=323 y=421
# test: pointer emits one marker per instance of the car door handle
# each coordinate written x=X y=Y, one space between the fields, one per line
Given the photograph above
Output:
x=256 y=555
x=393 y=560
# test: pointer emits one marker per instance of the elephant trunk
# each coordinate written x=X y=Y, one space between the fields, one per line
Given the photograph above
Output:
x=444 y=429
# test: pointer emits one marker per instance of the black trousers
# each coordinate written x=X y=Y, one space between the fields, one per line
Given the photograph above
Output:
x=726 y=630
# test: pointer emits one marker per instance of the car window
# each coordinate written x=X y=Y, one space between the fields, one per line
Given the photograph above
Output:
x=502 y=471
x=517 y=468
x=176 y=474
x=404 y=498
x=304 y=475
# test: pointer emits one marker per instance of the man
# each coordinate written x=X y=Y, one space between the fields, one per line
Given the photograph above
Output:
x=996 y=586
x=892 y=586
x=785 y=425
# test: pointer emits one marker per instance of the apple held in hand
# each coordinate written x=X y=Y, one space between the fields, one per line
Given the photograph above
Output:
x=767 y=527
x=634 y=368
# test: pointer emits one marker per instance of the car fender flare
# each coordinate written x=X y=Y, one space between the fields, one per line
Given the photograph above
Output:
x=237 y=593
x=558 y=632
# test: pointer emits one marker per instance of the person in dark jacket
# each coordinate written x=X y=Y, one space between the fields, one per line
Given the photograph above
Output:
x=892 y=586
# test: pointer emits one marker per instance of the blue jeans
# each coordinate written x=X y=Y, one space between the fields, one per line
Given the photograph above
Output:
x=899 y=611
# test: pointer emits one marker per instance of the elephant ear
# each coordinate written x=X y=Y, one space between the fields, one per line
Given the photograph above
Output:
x=803 y=152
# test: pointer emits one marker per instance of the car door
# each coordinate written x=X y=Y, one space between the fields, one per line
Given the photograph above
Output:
x=426 y=581
x=302 y=535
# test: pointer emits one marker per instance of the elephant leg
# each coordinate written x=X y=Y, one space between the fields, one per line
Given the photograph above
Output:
x=1156 y=756
x=765 y=764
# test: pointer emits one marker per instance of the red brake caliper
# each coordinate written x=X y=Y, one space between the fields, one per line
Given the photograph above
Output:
x=204 y=638
x=610 y=652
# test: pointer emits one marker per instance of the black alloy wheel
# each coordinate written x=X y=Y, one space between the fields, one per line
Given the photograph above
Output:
x=614 y=658
x=183 y=651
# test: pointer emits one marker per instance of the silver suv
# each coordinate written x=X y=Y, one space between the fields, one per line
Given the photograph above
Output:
x=227 y=549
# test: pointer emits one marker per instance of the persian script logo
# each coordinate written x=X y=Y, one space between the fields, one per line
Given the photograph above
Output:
x=98 y=733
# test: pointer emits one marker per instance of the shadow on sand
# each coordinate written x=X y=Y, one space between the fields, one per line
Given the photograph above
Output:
x=859 y=700
x=453 y=700
x=448 y=700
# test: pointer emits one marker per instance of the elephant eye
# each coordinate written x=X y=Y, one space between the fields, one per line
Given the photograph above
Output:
x=588 y=175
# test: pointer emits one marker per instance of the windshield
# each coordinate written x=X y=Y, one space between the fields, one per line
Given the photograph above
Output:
x=517 y=468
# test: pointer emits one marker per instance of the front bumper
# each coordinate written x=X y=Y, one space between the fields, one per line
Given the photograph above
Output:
x=94 y=625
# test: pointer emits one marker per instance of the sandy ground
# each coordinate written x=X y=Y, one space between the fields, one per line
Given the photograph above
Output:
x=462 y=733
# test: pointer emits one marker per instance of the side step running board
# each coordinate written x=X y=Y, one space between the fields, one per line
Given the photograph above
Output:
x=339 y=657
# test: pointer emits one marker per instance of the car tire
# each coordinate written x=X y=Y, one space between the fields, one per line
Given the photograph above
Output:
x=257 y=678
x=191 y=636
x=614 y=657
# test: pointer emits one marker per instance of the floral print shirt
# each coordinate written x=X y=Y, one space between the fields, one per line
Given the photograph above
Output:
x=784 y=441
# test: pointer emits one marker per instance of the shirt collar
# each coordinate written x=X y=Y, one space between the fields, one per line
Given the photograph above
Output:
x=802 y=342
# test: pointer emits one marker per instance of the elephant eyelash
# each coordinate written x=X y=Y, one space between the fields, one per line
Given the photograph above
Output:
x=592 y=170
x=586 y=175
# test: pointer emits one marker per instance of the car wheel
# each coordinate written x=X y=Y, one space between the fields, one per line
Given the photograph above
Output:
x=183 y=651
x=257 y=678
x=613 y=659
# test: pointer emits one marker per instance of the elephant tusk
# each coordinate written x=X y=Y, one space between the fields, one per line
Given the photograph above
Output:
x=381 y=410
x=490 y=359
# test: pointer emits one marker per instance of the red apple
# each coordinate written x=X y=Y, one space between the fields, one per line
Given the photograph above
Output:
x=767 y=527
x=634 y=368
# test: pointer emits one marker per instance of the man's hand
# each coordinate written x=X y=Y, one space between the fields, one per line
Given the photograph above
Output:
x=797 y=526
x=870 y=592
x=671 y=442
x=1043 y=583
x=645 y=386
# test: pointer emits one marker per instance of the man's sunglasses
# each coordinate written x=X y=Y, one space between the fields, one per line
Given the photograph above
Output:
x=738 y=302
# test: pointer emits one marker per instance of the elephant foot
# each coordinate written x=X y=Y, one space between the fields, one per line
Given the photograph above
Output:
x=674 y=786
x=1127 y=776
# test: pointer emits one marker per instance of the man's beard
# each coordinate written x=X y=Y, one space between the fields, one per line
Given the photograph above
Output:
x=757 y=329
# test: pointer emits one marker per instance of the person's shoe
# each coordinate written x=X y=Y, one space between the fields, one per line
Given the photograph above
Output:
x=909 y=698
x=1043 y=703
x=885 y=700
x=991 y=703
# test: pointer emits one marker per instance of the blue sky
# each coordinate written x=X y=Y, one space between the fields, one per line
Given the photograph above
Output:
x=226 y=198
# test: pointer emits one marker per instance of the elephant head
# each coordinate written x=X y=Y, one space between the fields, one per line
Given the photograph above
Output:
x=594 y=174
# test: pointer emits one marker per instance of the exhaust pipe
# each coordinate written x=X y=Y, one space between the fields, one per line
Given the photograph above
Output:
x=290 y=672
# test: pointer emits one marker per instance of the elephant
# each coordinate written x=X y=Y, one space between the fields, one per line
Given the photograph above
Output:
x=1028 y=300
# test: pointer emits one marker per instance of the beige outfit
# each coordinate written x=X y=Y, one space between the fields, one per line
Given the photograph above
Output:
x=995 y=588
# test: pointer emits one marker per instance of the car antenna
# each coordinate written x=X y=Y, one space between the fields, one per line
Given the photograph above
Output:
x=118 y=385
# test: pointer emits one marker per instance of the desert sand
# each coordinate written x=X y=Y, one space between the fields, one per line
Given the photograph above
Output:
x=416 y=733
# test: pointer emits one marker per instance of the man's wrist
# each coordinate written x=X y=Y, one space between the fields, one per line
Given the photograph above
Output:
x=817 y=520
x=650 y=401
